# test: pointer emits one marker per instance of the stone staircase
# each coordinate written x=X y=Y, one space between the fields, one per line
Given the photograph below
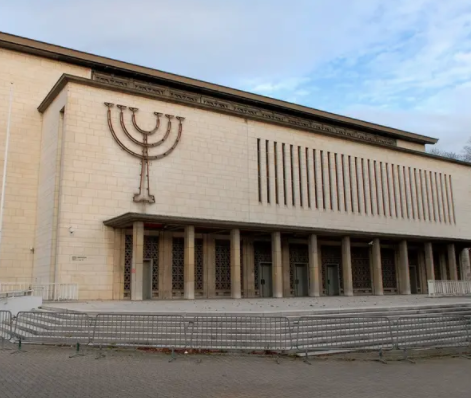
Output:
x=321 y=330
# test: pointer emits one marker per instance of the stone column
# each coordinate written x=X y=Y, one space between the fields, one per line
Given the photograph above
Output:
x=165 y=265
x=452 y=262
x=137 y=271
x=347 y=267
x=249 y=269
x=286 y=266
x=209 y=259
x=465 y=265
x=235 y=264
x=404 y=268
x=189 y=263
x=429 y=266
x=377 y=268
x=314 y=276
x=277 y=265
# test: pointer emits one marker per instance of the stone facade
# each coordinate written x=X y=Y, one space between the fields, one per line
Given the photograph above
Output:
x=67 y=177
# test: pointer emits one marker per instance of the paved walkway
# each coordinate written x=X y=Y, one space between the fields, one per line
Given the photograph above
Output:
x=255 y=306
x=48 y=372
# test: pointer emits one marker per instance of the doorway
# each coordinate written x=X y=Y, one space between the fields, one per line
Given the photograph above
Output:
x=266 y=285
x=413 y=279
x=147 y=274
x=333 y=280
x=300 y=280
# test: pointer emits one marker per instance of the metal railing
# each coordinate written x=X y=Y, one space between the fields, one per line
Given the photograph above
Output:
x=5 y=326
x=343 y=333
x=139 y=330
x=240 y=333
x=449 y=288
x=48 y=291
x=16 y=293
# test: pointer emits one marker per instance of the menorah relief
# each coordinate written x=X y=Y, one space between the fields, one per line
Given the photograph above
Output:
x=144 y=195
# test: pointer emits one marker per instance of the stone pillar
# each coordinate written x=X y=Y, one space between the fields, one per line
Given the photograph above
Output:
x=189 y=263
x=314 y=275
x=429 y=266
x=347 y=267
x=404 y=268
x=286 y=266
x=249 y=269
x=465 y=265
x=165 y=265
x=209 y=265
x=443 y=268
x=277 y=268
x=137 y=271
x=377 y=268
x=452 y=262
x=235 y=264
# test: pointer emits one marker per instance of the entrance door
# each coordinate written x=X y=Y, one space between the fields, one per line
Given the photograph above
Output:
x=266 y=287
x=413 y=279
x=147 y=280
x=300 y=280
x=333 y=282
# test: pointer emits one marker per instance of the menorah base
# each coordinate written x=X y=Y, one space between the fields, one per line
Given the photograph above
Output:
x=144 y=197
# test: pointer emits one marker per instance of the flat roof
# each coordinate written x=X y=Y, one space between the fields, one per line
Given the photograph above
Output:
x=95 y=62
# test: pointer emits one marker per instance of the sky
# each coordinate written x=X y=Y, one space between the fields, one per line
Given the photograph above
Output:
x=401 y=63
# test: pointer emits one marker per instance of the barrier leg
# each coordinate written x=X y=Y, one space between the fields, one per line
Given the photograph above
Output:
x=100 y=353
x=306 y=358
x=173 y=358
x=381 y=357
x=20 y=349
x=77 y=352
x=3 y=346
x=405 y=357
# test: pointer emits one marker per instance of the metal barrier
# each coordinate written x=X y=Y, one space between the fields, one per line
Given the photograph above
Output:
x=139 y=330
x=449 y=288
x=48 y=291
x=240 y=333
x=342 y=333
x=431 y=331
x=16 y=293
x=52 y=327
x=5 y=326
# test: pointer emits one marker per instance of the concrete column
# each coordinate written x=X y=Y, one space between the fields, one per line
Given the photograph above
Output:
x=165 y=265
x=210 y=266
x=452 y=262
x=443 y=268
x=465 y=265
x=429 y=266
x=377 y=268
x=235 y=264
x=118 y=264
x=249 y=270
x=137 y=261
x=404 y=284
x=277 y=264
x=189 y=263
x=314 y=274
x=286 y=265
x=347 y=267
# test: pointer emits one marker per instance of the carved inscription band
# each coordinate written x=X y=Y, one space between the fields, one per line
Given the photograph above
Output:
x=237 y=109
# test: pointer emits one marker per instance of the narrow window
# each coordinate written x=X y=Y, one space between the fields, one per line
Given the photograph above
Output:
x=424 y=213
x=419 y=202
x=315 y=177
x=401 y=190
x=293 y=194
x=378 y=199
x=308 y=179
x=443 y=199
x=371 y=188
x=406 y=191
x=283 y=160
x=364 y=185
x=338 y=181
x=322 y=176
x=351 y=183
x=329 y=169
x=452 y=200
x=448 y=204
x=433 y=197
x=393 y=172
x=275 y=152
x=411 y=189
x=259 y=172
x=439 y=204
x=300 y=178
x=344 y=184
x=383 y=188
x=388 y=184
x=267 y=162
x=428 y=189
x=358 y=186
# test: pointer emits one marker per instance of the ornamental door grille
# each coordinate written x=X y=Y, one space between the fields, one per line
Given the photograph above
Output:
x=458 y=264
x=241 y=270
x=127 y=265
x=199 y=278
x=151 y=251
x=262 y=254
x=361 y=271
x=388 y=265
x=223 y=268
x=436 y=266
x=414 y=272
x=178 y=282
x=331 y=255
x=298 y=253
